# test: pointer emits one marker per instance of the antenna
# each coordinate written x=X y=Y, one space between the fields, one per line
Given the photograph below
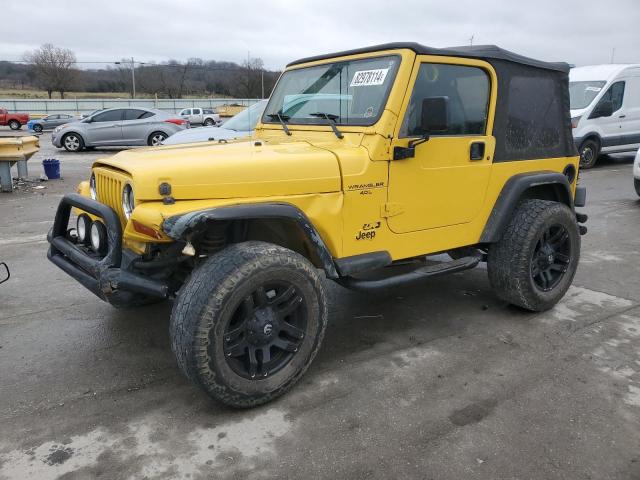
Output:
x=471 y=39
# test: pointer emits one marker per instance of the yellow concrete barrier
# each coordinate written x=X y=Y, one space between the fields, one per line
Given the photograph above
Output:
x=15 y=150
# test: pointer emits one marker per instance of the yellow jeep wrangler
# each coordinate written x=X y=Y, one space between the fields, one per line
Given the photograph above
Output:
x=363 y=159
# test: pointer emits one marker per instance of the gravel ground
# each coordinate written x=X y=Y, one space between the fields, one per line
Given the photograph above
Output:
x=437 y=381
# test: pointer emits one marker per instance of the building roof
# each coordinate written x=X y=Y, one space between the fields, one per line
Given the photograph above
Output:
x=484 y=52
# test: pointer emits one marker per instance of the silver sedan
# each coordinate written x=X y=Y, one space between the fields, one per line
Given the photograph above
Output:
x=118 y=127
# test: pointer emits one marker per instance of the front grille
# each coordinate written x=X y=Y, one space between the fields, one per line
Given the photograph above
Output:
x=109 y=185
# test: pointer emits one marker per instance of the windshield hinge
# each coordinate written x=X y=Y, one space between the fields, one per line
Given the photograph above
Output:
x=391 y=209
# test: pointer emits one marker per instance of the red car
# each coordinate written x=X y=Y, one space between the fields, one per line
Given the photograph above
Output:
x=14 y=120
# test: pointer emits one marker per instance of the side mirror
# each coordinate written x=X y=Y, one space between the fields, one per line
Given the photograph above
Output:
x=434 y=117
x=602 y=109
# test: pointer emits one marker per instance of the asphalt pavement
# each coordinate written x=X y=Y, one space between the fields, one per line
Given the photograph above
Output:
x=435 y=381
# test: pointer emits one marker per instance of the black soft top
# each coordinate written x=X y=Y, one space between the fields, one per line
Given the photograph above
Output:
x=484 y=52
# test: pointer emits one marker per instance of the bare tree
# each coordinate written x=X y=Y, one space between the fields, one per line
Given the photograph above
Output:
x=249 y=79
x=54 y=68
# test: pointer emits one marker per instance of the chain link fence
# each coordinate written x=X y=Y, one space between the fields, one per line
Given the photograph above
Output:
x=80 y=106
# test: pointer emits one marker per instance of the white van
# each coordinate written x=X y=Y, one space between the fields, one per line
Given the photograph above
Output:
x=605 y=110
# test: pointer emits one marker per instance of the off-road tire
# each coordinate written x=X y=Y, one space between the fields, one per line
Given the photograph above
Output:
x=210 y=298
x=73 y=146
x=510 y=260
x=14 y=124
x=37 y=128
x=209 y=122
x=589 y=152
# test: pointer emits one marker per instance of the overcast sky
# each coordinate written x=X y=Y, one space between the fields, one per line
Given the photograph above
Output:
x=278 y=31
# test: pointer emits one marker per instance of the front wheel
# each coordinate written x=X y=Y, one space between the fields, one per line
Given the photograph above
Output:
x=248 y=323
x=636 y=184
x=14 y=124
x=37 y=128
x=156 y=139
x=589 y=152
x=534 y=262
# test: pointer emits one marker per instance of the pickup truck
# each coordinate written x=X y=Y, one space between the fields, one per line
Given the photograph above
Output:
x=14 y=120
x=200 y=116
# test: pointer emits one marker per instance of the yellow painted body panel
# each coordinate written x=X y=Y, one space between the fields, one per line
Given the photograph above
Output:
x=358 y=199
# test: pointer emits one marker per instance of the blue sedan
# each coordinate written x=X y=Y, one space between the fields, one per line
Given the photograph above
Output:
x=49 y=122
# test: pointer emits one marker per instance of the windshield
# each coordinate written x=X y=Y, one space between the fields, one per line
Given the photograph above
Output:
x=247 y=119
x=583 y=93
x=354 y=91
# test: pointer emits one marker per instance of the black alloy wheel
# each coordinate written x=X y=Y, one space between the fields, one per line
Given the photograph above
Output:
x=551 y=257
x=265 y=331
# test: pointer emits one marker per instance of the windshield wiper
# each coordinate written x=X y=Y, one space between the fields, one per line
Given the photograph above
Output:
x=331 y=118
x=282 y=119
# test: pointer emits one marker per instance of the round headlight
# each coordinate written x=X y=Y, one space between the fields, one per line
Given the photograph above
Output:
x=83 y=226
x=99 y=237
x=128 y=202
x=92 y=187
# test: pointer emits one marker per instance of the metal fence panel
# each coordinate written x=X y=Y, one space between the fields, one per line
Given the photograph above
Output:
x=79 y=106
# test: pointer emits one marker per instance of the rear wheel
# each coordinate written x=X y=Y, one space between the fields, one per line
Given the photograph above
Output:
x=589 y=152
x=248 y=323
x=14 y=124
x=72 y=142
x=156 y=138
x=209 y=122
x=534 y=262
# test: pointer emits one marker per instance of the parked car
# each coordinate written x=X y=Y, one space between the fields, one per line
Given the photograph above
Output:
x=49 y=122
x=605 y=110
x=200 y=116
x=240 y=125
x=14 y=120
x=636 y=172
x=85 y=115
x=118 y=127
x=362 y=160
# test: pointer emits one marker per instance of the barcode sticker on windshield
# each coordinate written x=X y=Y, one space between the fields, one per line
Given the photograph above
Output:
x=365 y=78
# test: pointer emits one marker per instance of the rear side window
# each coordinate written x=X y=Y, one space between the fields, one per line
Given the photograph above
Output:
x=466 y=91
x=134 y=114
x=110 y=116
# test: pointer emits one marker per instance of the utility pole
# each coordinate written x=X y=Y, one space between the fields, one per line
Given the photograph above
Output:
x=133 y=77
x=471 y=39
x=262 y=80
x=613 y=53
x=133 y=74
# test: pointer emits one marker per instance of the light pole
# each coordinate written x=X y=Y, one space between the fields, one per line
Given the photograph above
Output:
x=133 y=74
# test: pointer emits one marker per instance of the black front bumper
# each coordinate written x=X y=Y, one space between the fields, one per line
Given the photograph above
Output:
x=108 y=277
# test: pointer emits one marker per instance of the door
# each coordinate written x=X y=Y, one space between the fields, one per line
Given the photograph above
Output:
x=50 y=121
x=610 y=123
x=62 y=119
x=445 y=181
x=629 y=114
x=105 y=128
x=196 y=116
x=136 y=126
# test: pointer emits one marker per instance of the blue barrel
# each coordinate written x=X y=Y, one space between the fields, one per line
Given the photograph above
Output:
x=51 y=168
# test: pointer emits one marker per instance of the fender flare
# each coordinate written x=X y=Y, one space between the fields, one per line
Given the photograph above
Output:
x=511 y=193
x=178 y=226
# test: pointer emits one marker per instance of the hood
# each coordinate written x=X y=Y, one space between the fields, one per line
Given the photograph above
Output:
x=232 y=170
x=578 y=112
x=203 y=134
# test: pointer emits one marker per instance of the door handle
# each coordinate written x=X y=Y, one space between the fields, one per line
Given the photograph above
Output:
x=476 y=151
x=622 y=116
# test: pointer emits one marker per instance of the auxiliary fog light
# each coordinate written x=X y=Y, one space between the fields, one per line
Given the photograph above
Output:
x=99 y=237
x=83 y=226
